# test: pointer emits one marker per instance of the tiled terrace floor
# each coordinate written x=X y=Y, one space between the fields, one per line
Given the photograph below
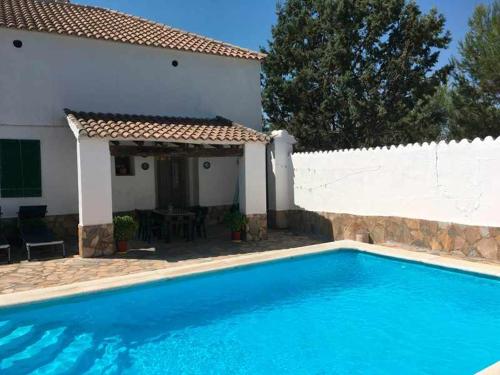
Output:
x=25 y=275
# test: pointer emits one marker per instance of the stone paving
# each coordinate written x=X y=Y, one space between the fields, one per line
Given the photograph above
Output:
x=25 y=275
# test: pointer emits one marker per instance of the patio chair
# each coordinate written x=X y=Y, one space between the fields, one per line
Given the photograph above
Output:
x=149 y=225
x=4 y=245
x=34 y=231
x=177 y=226
x=199 y=225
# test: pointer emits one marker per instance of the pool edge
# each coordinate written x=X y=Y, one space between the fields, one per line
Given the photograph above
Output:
x=494 y=369
x=115 y=282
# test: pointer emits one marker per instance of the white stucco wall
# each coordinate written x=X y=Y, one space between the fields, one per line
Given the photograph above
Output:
x=59 y=169
x=60 y=178
x=52 y=72
x=456 y=182
x=137 y=191
x=217 y=185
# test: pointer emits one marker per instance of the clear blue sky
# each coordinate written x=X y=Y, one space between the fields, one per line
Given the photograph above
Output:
x=247 y=23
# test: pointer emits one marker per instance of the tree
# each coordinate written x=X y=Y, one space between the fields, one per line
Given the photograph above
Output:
x=344 y=73
x=475 y=94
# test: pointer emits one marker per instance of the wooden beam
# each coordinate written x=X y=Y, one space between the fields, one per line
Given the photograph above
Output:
x=174 y=152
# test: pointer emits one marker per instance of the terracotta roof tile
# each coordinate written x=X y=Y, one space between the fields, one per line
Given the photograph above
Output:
x=64 y=18
x=162 y=128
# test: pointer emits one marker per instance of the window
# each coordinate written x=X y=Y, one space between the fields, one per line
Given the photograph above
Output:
x=20 y=168
x=124 y=166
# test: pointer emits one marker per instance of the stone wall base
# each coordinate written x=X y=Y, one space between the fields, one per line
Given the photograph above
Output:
x=216 y=214
x=458 y=239
x=64 y=226
x=278 y=219
x=95 y=240
x=256 y=227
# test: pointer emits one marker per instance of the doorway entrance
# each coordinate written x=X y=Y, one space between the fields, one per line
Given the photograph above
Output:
x=172 y=182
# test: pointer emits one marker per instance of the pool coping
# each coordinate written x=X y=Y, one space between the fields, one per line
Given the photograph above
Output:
x=115 y=282
x=494 y=369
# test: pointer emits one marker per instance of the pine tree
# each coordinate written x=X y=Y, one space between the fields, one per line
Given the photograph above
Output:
x=343 y=73
x=475 y=94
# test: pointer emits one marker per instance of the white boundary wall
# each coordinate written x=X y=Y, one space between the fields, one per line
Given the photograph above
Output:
x=455 y=182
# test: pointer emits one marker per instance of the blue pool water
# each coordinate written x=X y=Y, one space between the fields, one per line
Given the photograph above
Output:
x=338 y=313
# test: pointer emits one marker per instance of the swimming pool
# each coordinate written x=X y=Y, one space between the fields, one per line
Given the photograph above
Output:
x=342 y=312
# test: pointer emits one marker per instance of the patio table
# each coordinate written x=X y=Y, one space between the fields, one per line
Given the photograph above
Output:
x=177 y=216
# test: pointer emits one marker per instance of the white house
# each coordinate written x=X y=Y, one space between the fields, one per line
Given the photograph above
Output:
x=104 y=112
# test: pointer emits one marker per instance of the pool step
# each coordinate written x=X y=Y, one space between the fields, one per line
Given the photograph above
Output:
x=46 y=356
x=16 y=337
x=109 y=350
x=69 y=357
x=5 y=325
x=54 y=349
x=45 y=346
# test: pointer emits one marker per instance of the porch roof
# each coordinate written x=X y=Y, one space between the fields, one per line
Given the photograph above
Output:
x=161 y=128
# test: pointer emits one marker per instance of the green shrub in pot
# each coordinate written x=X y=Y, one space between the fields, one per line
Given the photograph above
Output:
x=125 y=228
x=236 y=222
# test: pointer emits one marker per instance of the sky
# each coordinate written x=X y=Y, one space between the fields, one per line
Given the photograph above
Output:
x=247 y=23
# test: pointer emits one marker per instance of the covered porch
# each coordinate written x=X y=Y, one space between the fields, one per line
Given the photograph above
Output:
x=137 y=162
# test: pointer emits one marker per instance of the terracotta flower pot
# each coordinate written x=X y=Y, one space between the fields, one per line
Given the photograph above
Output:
x=236 y=236
x=122 y=246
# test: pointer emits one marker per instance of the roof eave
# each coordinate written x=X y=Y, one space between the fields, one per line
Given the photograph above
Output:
x=257 y=56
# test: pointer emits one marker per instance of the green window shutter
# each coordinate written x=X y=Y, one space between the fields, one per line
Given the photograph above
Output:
x=11 y=180
x=20 y=168
x=32 y=171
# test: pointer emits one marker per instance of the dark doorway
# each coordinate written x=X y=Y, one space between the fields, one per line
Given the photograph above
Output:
x=172 y=182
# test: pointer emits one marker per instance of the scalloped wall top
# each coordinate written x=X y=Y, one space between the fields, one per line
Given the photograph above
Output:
x=404 y=147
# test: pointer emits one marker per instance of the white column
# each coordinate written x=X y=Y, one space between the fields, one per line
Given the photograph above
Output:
x=252 y=194
x=253 y=179
x=94 y=197
x=280 y=179
x=94 y=182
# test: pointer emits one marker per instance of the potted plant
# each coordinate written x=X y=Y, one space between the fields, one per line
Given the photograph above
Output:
x=125 y=228
x=236 y=222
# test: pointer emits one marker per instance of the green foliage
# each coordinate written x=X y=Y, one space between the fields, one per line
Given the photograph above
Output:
x=344 y=74
x=125 y=227
x=475 y=94
x=235 y=221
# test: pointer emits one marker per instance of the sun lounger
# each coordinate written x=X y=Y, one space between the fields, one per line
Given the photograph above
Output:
x=34 y=231
x=4 y=245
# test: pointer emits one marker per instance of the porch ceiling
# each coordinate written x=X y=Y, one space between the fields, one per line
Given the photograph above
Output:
x=125 y=127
